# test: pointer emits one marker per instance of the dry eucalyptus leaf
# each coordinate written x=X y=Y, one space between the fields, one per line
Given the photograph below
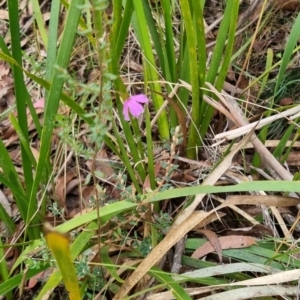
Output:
x=226 y=242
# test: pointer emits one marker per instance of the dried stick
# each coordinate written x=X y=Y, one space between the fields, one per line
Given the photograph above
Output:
x=179 y=249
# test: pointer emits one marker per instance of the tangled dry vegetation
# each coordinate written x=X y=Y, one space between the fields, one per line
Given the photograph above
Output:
x=236 y=233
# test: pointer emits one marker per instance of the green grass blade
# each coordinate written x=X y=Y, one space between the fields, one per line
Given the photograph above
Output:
x=110 y=266
x=162 y=38
x=52 y=102
x=229 y=47
x=267 y=186
x=108 y=212
x=227 y=31
x=168 y=66
x=52 y=42
x=33 y=245
x=183 y=67
x=169 y=46
x=20 y=89
x=150 y=72
x=157 y=37
x=150 y=155
x=199 y=264
x=256 y=158
x=124 y=154
x=40 y=21
x=120 y=29
x=177 y=291
x=283 y=141
x=136 y=149
x=289 y=48
x=52 y=282
x=4 y=269
x=118 y=25
x=22 y=139
x=270 y=55
x=193 y=138
x=3 y=47
x=220 y=43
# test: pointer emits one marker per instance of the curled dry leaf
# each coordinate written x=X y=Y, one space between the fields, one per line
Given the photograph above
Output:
x=286 y=101
x=73 y=185
x=268 y=200
x=89 y=192
x=227 y=242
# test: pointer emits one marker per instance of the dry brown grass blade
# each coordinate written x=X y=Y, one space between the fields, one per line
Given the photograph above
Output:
x=268 y=144
x=289 y=114
x=277 y=278
x=268 y=200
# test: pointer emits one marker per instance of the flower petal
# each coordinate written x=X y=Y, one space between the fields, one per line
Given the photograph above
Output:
x=136 y=109
x=126 y=105
x=141 y=98
x=134 y=105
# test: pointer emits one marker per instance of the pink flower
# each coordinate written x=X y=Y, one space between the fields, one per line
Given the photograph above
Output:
x=134 y=105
